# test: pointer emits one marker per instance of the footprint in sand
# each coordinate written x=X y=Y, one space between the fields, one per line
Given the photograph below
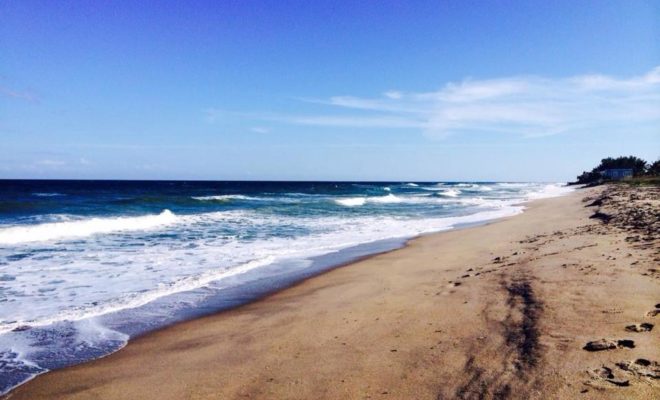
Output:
x=605 y=374
x=641 y=367
x=643 y=327
x=655 y=312
x=607 y=344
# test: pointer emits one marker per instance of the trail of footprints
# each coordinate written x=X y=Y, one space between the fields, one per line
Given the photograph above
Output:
x=497 y=262
x=535 y=245
x=621 y=372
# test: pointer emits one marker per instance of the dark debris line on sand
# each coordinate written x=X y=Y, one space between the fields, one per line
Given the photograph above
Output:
x=523 y=349
x=524 y=335
x=617 y=209
x=480 y=385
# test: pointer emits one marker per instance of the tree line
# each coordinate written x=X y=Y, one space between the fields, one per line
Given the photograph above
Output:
x=639 y=168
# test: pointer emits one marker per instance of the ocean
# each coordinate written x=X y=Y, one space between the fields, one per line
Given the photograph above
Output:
x=86 y=265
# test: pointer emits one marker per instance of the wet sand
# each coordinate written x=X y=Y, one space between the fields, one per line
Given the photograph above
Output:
x=503 y=310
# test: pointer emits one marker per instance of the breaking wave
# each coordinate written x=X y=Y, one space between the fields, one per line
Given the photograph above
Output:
x=450 y=192
x=352 y=201
x=225 y=197
x=82 y=228
x=39 y=194
x=360 y=201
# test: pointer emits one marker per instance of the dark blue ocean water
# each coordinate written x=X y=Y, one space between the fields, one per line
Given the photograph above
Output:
x=85 y=265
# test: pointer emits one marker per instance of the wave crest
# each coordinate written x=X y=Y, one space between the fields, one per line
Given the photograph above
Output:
x=225 y=197
x=83 y=228
x=47 y=194
x=360 y=201
x=351 y=201
x=450 y=193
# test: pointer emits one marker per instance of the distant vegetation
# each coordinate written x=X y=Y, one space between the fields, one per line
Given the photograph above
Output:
x=643 y=172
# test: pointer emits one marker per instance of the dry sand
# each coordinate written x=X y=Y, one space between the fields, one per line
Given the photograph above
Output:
x=497 y=311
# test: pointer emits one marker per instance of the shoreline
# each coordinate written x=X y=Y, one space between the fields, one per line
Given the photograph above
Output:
x=63 y=382
x=256 y=289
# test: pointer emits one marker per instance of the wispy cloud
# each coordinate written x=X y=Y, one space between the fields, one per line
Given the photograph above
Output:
x=528 y=106
x=22 y=95
x=51 y=163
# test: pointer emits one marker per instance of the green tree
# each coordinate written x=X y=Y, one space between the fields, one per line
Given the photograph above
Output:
x=654 y=169
x=639 y=167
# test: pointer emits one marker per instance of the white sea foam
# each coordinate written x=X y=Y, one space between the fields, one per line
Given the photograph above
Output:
x=550 y=190
x=107 y=279
x=390 y=198
x=360 y=201
x=272 y=197
x=448 y=198
x=351 y=201
x=412 y=184
x=225 y=197
x=474 y=187
x=137 y=299
x=83 y=228
x=48 y=194
x=512 y=184
x=450 y=192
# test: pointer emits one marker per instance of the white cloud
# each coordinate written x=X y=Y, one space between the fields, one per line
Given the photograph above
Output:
x=524 y=105
x=353 y=122
x=16 y=94
x=393 y=94
x=259 y=129
x=51 y=163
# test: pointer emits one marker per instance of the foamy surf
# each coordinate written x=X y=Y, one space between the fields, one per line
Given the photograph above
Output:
x=83 y=228
x=352 y=201
x=390 y=198
x=225 y=197
x=38 y=194
x=450 y=192
x=550 y=190
x=360 y=201
x=137 y=299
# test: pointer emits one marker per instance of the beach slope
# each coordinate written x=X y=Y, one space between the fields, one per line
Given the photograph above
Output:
x=559 y=302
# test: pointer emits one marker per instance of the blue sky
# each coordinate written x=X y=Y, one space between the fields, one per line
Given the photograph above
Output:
x=453 y=90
